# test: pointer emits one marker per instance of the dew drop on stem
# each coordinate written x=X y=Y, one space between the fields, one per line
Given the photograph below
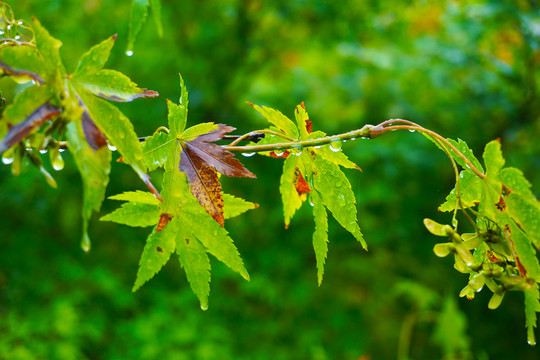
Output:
x=248 y=154
x=111 y=147
x=278 y=153
x=129 y=53
x=335 y=145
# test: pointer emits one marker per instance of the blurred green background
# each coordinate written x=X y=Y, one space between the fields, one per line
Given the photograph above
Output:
x=465 y=69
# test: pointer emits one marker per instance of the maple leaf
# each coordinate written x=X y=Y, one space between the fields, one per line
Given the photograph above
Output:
x=180 y=223
x=200 y=159
x=313 y=171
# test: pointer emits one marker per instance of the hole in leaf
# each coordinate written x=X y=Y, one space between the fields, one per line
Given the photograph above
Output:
x=159 y=249
x=501 y=205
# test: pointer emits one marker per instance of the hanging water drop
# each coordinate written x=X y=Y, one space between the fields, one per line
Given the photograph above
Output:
x=352 y=139
x=335 y=145
x=204 y=307
x=7 y=159
x=278 y=153
x=43 y=151
x=20 y=22
x=2 y=32
x=86 y=245
x=311 y=201
x=297 y=152
x=111 y=147
x=318 y=146
x=248 y=154
x=56 y=160
x=8 y=27
x=129 y=53
x=61 y=150
x=411 y=130
x=18 y=37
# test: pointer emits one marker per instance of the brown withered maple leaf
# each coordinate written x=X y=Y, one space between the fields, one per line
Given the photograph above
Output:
x=201 y=160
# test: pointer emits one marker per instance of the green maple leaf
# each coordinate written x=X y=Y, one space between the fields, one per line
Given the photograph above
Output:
x=189 y=228
x=71 y=99
x=314 y=171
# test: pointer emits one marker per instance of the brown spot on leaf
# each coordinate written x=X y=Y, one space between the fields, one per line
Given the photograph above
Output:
x=521 y=269
x=301 y=185
x=505 y=191
x=159 y=249
x=188 y=242
x=309 y=126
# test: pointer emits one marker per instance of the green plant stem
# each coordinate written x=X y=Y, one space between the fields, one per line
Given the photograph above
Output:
x=364 y=132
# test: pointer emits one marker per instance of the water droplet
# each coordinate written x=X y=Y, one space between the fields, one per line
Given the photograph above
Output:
x=531 y=342
x=56 y=160
x=17 y=37
x=454 y=223
x=204 y=307
x=296 y=146
x=311 y=202
x=61 y=150
x=344 y=141
x=34 y=82
x=20 y=22
x=411 y=130
x=335 y=145
x=111 y=147
x=43 y=151
x=352 y=139
x=297 y=152
x=8 y=27
x=341 y=200
x=248 y=154
x=2 y=32
x=129 y=53
x=86 y=245
x=7 y=159
x=318 y=146
x=278 y=153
